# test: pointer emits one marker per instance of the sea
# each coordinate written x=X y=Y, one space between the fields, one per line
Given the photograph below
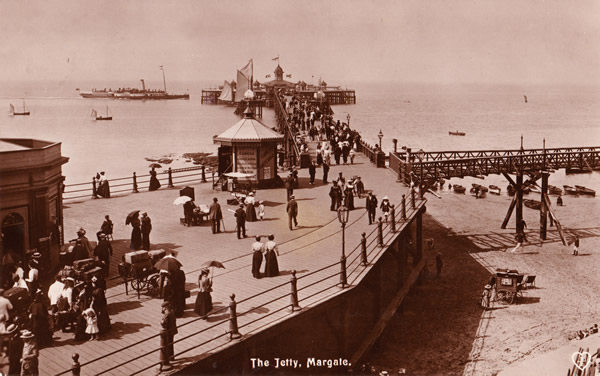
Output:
x=419 y=116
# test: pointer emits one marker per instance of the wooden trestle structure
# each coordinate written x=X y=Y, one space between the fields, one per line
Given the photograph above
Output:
x=426 y=168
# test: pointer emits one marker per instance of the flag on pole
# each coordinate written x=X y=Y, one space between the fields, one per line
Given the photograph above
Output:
x=276 y=58
x=161 y=67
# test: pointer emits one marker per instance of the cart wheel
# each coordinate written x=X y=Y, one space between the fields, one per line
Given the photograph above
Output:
x=510 y=297
x=500 y=295
x=137 y=284
x=153 y=285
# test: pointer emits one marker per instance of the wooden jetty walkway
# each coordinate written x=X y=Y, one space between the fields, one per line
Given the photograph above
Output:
x=311 y=251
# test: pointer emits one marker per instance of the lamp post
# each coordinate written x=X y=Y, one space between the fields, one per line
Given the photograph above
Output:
x=348 y=118
x=380 y=135
x=420 y=155
x=343 y=214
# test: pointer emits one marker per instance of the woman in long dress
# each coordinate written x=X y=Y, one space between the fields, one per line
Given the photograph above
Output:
x=203 y=304
x=271 y=265
x=257 y=255
x=136 y=233
x=485 y=297
x=250 y=211
x=154 y=183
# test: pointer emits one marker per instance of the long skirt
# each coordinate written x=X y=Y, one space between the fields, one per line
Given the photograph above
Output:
x=203 y=304
x=250 y=213
x=154 y=183
x=136 y=238
x=271 y=265
x=256 y=263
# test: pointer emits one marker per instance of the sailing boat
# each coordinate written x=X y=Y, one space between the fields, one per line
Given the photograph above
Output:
x=25 y=110
x=100 y=117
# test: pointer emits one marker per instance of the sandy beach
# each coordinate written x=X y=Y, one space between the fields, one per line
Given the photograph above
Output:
x=442 y=330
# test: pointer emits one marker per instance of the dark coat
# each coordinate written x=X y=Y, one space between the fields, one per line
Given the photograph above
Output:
x=292 y=208
x=240 y=216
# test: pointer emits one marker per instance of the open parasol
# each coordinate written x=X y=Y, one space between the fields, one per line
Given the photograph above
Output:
x=213 y=264
x=154 y=165
x=182 y=200
x=168 y=263
x=239 y=175
x=130 y=216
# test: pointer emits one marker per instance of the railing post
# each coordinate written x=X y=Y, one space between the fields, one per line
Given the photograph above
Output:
x=135 y=186
x=294 y=294
x=233 y=325
x=94 y=191
x=171 y=178
x=343 y=275
x=380 y=232
x=393 y=222
x=75 y=367
x=412 y=197
x=404 y=207
x=203 y=174
x=363 y=249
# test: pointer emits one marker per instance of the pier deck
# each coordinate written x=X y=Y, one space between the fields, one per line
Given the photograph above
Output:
x=313 y=249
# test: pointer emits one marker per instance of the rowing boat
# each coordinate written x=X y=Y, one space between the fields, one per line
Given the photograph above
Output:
x=459 y=188
x=532 y=204
x=585 y=191
x=570 y=190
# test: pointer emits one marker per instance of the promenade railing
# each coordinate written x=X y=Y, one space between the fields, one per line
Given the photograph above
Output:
x=169 y=178
x=288 y=131
x=280 y=301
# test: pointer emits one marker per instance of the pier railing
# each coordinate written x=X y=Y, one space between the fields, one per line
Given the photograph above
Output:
x=168 y=178
x=292 y=149
x=308 y=289
x=367 y=150
x=449 y=164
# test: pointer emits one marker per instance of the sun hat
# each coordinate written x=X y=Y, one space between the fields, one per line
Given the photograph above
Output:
x=26 y=334
x=488 y=286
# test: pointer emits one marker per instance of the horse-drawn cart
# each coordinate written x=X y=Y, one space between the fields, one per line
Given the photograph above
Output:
x=138 y=271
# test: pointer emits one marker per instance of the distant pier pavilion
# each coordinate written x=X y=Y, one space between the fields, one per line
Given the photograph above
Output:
x=333 y=94
x=31 y=214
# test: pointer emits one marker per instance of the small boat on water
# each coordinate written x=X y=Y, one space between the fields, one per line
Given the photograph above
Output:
x=585 y=191
x=534 y=189
x=494 y=189
x=532 y=204
x=100 y=117
x=554 y=190
x=25 y=111
x=459 y=188
x=577 y=170
x=570 y=190
x=457 y=133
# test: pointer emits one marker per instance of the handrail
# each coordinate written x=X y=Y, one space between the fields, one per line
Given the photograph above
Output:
x=355 y=272
x=283 y=118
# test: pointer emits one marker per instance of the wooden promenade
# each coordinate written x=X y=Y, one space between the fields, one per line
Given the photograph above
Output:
x=313 y=250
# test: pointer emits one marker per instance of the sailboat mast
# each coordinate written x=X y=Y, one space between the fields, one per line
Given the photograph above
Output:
x=164 y=81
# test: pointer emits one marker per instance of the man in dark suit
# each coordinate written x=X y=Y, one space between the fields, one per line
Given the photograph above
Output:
x=289 y=185
x=240 y=220
x=216 y=215
x=168 y=331
x=325 y=172
x=371 y=205
x=292 y=210
x=312 y=170
x=146 y=228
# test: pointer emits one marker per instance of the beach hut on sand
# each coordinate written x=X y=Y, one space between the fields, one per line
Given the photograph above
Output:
x=249 y=148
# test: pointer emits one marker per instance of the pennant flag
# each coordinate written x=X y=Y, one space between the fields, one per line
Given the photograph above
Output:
x=161 y=67
x=268 y=76
x=288 y=75
x=275 y=58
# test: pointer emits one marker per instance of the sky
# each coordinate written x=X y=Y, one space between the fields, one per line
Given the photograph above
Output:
x=422 y=41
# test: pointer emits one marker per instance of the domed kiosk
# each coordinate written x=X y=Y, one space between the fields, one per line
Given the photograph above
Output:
x=249 y=148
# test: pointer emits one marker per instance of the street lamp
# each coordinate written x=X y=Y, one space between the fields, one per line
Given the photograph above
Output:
x=343 y=214
x=348 y=118
x=421 y=155
x=380 y=135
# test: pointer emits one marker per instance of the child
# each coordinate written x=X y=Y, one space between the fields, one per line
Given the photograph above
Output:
x=386 y=207
x=261 y=210
x=92 y=323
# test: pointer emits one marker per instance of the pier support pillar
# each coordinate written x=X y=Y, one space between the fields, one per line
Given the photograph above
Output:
x=543 y=208
x=519 y=203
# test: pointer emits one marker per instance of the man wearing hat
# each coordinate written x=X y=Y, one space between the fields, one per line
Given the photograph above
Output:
x=83 y=240
x=103 y=251
x=371 y=205
x=292 y=210
x=240 y=221
x=359 y=186
x=168 y=325
x=312 y=171
x=146 y=228
x=289 y=185
x=29 y=357
x=216 y=216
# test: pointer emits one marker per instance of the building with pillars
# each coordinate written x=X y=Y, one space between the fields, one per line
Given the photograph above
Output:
x=31 y=185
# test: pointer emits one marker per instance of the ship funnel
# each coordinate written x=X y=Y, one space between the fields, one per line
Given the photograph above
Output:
x=143 y=85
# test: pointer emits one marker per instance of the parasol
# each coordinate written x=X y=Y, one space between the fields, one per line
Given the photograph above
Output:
x=154 y=165
x=168 y=263
x=182 y=200
x=130 y=216
x=213 y=264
